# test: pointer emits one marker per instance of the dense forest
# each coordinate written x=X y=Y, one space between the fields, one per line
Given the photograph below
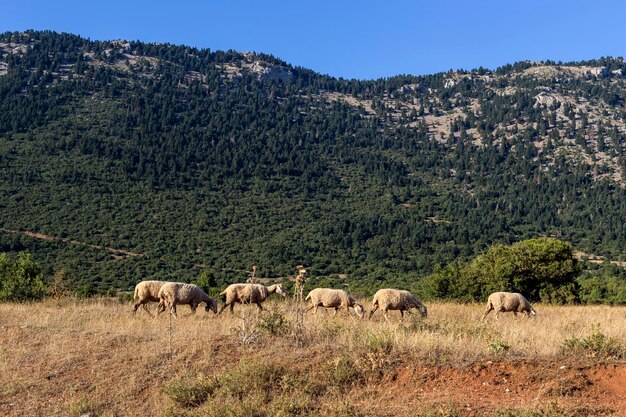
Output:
x=127 y=161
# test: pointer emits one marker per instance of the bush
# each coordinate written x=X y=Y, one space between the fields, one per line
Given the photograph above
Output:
x=541 y=269
x=606 y=284
x=596 y=345
x=342 y=373
x=499 y=347
x=251 y=377
x=20 y=279
x=274 y=323
x=60 y=284
x=188 y=393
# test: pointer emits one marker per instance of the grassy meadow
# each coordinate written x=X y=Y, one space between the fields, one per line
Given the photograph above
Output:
x=75 y=357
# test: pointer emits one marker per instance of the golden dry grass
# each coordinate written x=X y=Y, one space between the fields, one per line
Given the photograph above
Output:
x=69 y=357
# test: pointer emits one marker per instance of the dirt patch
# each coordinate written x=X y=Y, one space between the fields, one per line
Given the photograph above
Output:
x=482 y=388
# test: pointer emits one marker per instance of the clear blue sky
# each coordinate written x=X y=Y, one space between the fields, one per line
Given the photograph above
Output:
x=350 y=39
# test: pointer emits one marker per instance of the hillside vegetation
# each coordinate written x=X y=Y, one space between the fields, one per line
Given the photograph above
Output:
x=125 y=161
x=67 y=358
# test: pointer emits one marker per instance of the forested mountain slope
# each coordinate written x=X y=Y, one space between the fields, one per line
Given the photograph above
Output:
x=196 y=159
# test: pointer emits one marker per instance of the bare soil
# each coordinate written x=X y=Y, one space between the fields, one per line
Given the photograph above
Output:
x=484 y=387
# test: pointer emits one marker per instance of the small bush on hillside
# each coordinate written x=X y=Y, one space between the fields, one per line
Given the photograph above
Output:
x=499 y=347
x=603 y=284
x=274 y=323
x=596 y=345
x=61 y=283
x=251 y=377
x=188 y=393
x=342 y=373
x=20 y=279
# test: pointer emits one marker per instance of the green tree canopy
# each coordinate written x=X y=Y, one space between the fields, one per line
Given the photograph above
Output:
x=541 y=269
x=20 y=279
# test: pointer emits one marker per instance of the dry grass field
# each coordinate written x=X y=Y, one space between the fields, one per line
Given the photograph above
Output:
x=71 y=358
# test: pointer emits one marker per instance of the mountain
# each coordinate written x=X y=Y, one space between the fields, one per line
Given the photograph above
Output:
x=121 y=161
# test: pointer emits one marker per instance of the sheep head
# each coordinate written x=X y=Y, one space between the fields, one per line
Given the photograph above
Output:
x=212 y=306
x=281 y=290
x=360 y=311
x=423 y=310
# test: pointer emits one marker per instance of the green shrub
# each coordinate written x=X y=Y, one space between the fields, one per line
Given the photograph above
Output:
x=251 y=377
x=541 y=269
x=342 y=373
x=606 y=284
x=20 y=279
x=596 y=345
x=499 y=347
x=274 y=323
x=187 y=393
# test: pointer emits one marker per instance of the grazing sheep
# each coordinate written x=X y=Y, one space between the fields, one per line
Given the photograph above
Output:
x=390 y=299
x=249 y=294
x=502 y=302
x=173 y=293
x=330 y=298
x=146 y=291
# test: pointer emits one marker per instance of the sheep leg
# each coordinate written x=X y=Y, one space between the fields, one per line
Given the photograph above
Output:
x=335 y=313
x=348 y=312
x=222 y=308
x=145 y=307
x=173 y=311
x=385 y=314
x=259 y=306
x=160 y=308
x=312 y=306
x=227 y=304
x=373 y=310
x=401 y=315
x=489 y=308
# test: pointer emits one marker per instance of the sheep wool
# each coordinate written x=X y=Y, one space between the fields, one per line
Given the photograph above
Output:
x=172 y=294
x=145 y=292
x=249 y=294
x=503 y=302
x=392 y=299
x=332 y=298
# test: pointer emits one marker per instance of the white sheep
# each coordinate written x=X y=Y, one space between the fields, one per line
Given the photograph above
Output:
x=249 y=294
x=502 y=302
x=173 y=293
x=391 y=299
x=331 y=298
x=145 y=292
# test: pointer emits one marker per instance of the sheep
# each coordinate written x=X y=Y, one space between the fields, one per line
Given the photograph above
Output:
x=146 y=291
x=331 y=298
x=249 y=294
x=502 y=302
x=174 y=293
x=391 y=299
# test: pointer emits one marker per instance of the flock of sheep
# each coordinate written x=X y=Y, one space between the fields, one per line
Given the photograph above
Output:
x=171 y=294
